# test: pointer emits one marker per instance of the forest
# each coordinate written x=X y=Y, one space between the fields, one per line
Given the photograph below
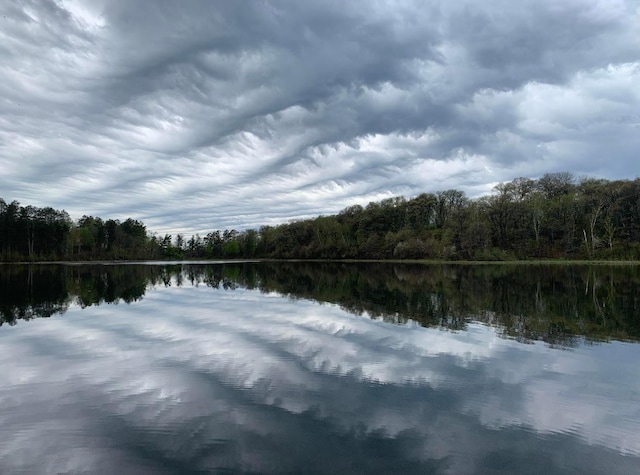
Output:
x=554 y=217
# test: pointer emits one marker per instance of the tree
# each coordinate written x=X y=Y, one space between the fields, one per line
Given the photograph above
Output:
x=421 y=211
x=554 y=185
x=179 y=242
x=231 y=248
x=500 y=211
x=213 y=244
x=29 y=218
x=536 y=207
x=595 y=196
x=446 y=202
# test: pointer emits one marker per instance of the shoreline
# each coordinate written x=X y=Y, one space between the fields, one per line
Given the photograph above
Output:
x=348 y=261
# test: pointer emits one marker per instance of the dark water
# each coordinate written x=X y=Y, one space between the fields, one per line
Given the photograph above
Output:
x=319 y=368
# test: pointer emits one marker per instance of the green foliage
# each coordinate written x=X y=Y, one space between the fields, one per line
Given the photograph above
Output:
x=232 y=249
x=523 y=219
x=554 y=217
x=34 y=234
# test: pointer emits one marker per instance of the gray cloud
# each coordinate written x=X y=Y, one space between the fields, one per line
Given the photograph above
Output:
x=194 y=116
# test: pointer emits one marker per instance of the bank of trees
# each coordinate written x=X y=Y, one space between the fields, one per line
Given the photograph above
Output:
x=29 y=233
x=556 y=216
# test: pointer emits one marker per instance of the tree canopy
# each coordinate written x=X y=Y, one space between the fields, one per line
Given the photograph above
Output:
x=555 y=216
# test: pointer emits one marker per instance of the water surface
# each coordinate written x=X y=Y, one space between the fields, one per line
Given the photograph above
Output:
x=319 y=368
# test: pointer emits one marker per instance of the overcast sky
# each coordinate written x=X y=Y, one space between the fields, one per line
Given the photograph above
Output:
x=201 y=115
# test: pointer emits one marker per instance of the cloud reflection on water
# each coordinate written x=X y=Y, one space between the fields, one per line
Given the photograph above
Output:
x=197 y=378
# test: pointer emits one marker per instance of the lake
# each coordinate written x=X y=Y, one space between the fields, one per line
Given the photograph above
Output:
x=319 y=368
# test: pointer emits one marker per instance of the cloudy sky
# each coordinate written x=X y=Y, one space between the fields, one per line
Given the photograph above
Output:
x=202 y=115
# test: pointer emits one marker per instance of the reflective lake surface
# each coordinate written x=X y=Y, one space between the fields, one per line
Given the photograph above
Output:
x=319 y=368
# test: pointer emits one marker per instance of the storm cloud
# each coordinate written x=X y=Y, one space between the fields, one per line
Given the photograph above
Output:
x=195 y=115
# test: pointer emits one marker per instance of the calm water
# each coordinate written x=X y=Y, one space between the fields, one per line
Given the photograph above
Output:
x=319 y=368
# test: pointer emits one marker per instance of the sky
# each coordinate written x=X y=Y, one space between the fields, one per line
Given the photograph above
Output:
x=200 y=115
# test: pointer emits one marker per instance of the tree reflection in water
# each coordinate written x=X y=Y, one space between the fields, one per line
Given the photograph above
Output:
x=562 y=305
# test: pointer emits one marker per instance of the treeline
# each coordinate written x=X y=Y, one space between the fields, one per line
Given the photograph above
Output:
x=553 y=217
x=29 y=233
